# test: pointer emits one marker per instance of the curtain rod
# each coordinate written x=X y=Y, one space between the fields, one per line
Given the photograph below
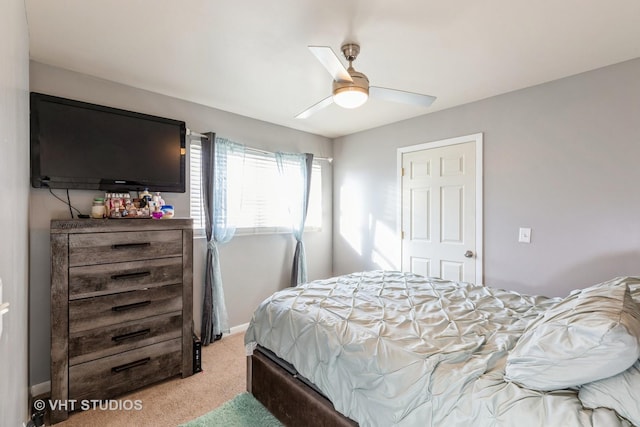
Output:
x=193 y=134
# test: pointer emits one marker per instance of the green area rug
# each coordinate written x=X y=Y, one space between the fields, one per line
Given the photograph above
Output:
x=241 y=411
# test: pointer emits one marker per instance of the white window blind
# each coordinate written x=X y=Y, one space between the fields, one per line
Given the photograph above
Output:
x=195 y=185
x=263 y=208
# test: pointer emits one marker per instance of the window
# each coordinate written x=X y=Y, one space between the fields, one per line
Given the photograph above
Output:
x=261 y=207
x=195 y=185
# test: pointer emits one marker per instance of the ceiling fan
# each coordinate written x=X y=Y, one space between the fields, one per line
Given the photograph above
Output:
x=351 y=88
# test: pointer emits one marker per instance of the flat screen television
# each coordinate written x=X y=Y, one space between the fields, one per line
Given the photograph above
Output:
x=87 y=146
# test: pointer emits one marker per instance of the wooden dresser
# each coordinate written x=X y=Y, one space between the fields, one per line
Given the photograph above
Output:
x=121 y=306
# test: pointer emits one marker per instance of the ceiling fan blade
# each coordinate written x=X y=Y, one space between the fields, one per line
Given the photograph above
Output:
x=315 y=107
x=330 y=61
x=401 y=96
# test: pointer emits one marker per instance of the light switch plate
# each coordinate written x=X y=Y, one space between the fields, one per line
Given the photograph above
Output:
x=524 y=235
x=4 y=308
x=1 y=313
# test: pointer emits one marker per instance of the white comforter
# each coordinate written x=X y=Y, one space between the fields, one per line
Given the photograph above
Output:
x=396 y=349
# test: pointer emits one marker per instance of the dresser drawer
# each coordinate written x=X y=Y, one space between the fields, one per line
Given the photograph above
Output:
x=104 y=248
x=95 y=343
x=98 y=312
x=103 y=279
x=109 y=376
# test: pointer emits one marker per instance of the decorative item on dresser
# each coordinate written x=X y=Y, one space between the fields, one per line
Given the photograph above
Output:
x=121 y=306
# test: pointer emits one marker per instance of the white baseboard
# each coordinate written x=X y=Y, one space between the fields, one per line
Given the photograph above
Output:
x=40 y=389
x=45 y=387
x=238 y=329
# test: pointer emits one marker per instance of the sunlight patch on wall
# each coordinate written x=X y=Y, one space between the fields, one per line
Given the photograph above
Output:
x=351 y=216
x=384 y=253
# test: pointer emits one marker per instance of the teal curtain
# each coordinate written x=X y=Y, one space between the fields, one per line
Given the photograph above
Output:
x=295 y=170
x=219 y=230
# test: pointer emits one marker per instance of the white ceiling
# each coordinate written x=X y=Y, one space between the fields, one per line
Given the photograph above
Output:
x=251 y=58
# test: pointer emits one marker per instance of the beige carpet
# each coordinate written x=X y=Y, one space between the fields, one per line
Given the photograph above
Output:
x=177 y=401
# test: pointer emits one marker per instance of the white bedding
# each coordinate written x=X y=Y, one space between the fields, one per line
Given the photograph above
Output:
x=397 y=349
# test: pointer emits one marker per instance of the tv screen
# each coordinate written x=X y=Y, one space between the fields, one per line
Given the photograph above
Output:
x=80 y=145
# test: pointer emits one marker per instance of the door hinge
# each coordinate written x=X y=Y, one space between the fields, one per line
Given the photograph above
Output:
x=402 y=172
x=402 y=235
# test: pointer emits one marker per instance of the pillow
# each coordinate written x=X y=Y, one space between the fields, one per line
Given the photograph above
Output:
x=593 y=333
x=620 y=392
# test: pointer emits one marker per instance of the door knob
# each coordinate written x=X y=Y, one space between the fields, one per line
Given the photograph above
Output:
x=468 y=254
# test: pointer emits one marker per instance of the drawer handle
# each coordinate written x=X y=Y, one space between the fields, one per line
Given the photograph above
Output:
x=131 y=335
x=130 y=245
x=130 y=306
x=128 y=366
x=126 y=276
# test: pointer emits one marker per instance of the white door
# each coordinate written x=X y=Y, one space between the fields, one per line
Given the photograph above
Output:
x=440 y=210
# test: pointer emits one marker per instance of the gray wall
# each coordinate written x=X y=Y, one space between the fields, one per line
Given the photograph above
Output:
x=253 y=267
x=561 y=158
x=14 y=192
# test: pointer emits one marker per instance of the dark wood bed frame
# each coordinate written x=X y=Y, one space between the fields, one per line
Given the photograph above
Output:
x=287 y=397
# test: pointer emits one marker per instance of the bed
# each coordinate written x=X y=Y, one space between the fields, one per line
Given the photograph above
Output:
x=387 y=348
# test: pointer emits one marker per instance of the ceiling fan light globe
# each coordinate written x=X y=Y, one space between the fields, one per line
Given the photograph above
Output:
x=350 y=96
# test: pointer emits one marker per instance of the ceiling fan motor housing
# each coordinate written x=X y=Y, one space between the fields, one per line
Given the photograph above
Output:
x=360 y=83
x=351 y=94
